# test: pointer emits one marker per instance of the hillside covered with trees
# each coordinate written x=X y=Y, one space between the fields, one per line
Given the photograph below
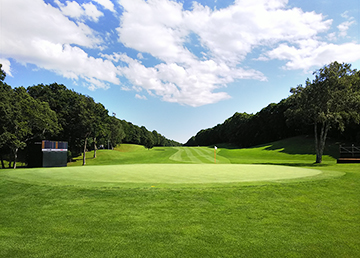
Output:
x=54 y=112
x=327 y=106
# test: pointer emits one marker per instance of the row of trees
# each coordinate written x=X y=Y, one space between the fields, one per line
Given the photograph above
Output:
x=244 y=130
x=54 y=112
x=328 y=104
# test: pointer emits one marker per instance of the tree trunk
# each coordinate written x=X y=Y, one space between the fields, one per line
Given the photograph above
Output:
x=320 y=140
x=84 y=151
x=95 y=148
x=15 y=157
x=2 y=161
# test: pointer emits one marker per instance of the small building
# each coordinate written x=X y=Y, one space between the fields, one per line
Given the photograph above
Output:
x=48 y=154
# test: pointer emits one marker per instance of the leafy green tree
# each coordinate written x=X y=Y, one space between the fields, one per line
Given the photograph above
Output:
x=5 y=112
x=115 y=132
x=29 y=119
x=22 y=118
x=99 y=123
x=85 y=121
x=79 y=116
x=147 y=138
x=331 y=99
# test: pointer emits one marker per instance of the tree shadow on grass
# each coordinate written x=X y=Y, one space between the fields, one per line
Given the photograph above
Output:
x=299 y=164
x=303 y=145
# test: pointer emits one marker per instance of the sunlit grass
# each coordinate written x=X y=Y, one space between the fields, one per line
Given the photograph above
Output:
x=318 y=217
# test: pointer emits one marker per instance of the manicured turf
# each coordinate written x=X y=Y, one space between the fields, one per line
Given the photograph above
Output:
x=293 y=151
x=158 y=174
x=44 y=215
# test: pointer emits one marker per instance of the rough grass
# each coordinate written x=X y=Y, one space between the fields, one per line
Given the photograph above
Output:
x=314 y=218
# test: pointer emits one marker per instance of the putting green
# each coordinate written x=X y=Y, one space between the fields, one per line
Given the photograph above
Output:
x=157 y=174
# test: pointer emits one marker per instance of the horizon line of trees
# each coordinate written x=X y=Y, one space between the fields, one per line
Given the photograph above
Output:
x=54 y=112
x=327 y=106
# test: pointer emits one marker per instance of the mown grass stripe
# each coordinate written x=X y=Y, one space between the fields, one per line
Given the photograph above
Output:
x=191 y=156
x=178 y=155
x=205 y=155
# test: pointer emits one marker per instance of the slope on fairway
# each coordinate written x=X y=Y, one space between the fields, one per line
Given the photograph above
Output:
x=149 y=174
x=197 y=155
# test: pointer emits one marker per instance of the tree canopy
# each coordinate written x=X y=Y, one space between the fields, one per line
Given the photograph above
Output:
x=331 y=99
x=54 y=112
x=23 y=118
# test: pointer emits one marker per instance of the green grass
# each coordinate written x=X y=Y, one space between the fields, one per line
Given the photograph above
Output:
x=163 y=175
x=317 y=217
x=127 y=154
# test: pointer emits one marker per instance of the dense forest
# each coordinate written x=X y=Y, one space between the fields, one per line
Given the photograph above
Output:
x=54 y=112
x=328 y=106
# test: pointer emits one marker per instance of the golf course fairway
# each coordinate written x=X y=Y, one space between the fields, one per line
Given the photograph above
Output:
x=153 y=175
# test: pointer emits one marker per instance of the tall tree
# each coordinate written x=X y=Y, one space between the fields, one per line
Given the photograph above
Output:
x=99 y=123
x=331 y=99
x=80 y=117
x=5 y=112
x=115 y=132
x=22 y=118
x=29 y=119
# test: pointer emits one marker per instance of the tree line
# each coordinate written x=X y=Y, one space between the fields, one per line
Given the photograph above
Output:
x=329 y=105
x=54 y=112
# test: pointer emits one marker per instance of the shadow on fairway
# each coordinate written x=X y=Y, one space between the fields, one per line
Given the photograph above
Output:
x=300 y=164
x=301 y=145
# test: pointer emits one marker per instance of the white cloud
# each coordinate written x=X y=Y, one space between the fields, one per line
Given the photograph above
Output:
x=193 y=86
x=233 y=32
x=107 y=4
x=58 y=39
x=344 y=27
x=71 y=9
x=345 y=15
x=45 y=37
x=96 y=84
x=140 y=97
x=162 y=28
x=6 y=66
x=313 y=53
x=37 y=20
x=92 y=12
x=84 y=11
x=154 y=27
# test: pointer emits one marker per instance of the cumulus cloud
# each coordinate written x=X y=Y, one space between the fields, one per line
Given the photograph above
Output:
x=46 y=38
x=194 y=86
x=312 y=53
x=107 y=4
x=197 y=52
x=6 y=66
x=227 y=36
x=344 y=27
x=233 y=32
x=77 y=11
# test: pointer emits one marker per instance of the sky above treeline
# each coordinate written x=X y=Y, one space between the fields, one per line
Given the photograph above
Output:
x=176 y=66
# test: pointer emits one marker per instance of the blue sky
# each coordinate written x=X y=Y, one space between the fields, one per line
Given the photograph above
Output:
x=176 y=66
